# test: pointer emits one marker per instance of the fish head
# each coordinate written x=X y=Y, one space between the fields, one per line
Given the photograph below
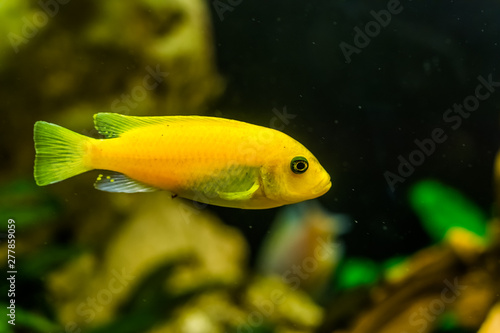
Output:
x=294 y=175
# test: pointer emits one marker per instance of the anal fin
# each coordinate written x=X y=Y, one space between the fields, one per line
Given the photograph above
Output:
x=121 y=183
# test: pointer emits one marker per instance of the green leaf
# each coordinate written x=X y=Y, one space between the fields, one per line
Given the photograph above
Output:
x=355 y=272
x=35 y=322
x=441 y=208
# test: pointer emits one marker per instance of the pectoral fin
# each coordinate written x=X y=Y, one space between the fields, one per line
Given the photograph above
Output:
x=244 y=195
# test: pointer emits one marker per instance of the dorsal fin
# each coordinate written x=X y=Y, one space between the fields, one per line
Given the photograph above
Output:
x=111 y=125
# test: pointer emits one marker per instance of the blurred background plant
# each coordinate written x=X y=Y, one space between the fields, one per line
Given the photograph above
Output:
x=423 y=258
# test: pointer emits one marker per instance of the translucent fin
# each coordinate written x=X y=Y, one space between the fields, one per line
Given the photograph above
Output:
x=121 y=183
x=59 y=153
x=245 y=195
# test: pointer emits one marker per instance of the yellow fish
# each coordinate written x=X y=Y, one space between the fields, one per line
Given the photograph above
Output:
x=210 y=160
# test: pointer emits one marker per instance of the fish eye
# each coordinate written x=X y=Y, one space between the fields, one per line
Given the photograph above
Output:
x=299 y=164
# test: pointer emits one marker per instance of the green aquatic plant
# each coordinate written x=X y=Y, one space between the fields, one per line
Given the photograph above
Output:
x=355 y=272
x=442 y=208
x=35 y=322
x=22 y=200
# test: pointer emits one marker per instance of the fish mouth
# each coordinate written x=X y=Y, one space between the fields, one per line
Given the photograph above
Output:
x=323 y=187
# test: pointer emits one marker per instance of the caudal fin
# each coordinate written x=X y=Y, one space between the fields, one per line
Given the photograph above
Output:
x=59 y=153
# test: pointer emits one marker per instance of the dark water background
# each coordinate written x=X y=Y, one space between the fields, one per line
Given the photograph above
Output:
x=358 y=117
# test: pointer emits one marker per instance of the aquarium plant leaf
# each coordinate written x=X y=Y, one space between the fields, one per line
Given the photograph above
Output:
x=35 y=322
x=22 y=201
x=4 y=325
x=47 y=259
x=354 y=272
x=442 y=208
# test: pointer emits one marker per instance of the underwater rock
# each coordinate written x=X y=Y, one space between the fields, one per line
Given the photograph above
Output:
x=208 y=312
x=173 y=39
x=160 y=230
x=270 y=300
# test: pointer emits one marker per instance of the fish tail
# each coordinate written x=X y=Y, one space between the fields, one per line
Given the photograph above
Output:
x=60 y=153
